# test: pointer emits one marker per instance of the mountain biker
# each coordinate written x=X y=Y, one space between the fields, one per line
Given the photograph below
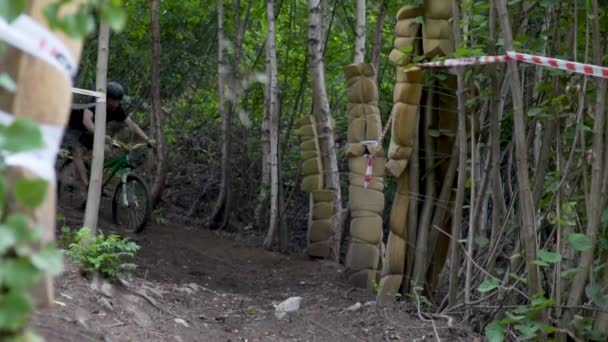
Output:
x=81 y=127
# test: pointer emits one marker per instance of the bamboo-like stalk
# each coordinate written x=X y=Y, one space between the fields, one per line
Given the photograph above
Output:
x=462 y=160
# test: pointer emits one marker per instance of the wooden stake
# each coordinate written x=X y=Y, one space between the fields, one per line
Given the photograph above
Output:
x=43 y=95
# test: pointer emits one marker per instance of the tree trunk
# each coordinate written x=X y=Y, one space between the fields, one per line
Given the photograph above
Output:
x=96 y=178
x=462 y=168
x=221 y=215
x=521 y=149
x=594 y=208
x=51 y=88
x=377 y=46
x=498 y=199
x=156 y=119
x=360 y=33
x=272 y=106
x=322 y=113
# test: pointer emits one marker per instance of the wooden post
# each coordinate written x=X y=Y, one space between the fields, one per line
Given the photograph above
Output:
x=94 y=195
x=43 y=95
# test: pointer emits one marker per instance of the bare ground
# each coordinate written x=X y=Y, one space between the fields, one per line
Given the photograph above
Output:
x=196 y=285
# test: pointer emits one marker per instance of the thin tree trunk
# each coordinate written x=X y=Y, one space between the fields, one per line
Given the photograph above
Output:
x=220 y=216
x=260 y=210
x=360 y=33
x=461 y=139
x=321 y=111
x=420 y=262
x=498 y=197
x=594 y=208
x=156 y=119
x=526 y=204
x=273 y=114
x=96 y=177
x=377 y=46
x=412 y=214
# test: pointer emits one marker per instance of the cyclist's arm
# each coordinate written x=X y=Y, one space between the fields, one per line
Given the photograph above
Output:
x=87 y=121
x=135 y=128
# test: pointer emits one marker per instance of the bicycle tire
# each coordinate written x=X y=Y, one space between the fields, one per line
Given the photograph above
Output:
x=140 y=224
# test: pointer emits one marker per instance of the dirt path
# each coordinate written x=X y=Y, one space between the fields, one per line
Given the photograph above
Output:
x=195 y=285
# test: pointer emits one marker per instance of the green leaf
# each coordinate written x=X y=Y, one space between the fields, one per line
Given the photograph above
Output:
x=579 y=241
x=549 y=257
x=11 y=9
x=434 y=133
x=22 y=135
x=605 y=216
x=419 y=20
x=14 y=308
x=114 y=16
x=7 y=238
x=482 y=241
x=7 y=82
x=49 y=259
x=595 y=293
x=495 y=332
x=528 y=330
x=31 y=193
x=488 y=285
x=570 y=272
x=20 y=226
x=18 y=273
x=539 y=263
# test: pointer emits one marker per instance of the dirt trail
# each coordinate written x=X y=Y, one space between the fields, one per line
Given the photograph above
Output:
x=195 y=285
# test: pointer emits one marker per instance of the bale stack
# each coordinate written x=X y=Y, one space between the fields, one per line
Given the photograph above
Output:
x=406 y=100
x=437 y=36
x=366 y=200
x=321 y=209
x=310 y=153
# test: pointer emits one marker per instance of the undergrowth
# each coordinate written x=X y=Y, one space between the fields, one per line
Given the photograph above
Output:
x=105 y=255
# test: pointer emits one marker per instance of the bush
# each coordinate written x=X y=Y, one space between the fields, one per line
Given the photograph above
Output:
x=101 y=254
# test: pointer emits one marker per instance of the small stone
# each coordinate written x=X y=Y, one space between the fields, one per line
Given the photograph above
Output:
x=291 y=304
x=354 y=307
x=105 y=303
x=182 y=322
x=107 y=290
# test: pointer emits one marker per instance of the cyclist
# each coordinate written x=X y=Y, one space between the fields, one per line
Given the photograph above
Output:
x=81 y=127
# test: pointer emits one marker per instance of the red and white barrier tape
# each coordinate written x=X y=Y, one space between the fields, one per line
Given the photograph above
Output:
x=554 y=63
x=29 y=36
x=453 y=62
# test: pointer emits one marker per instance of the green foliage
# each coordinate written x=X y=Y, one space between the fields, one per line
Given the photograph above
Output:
x=22 y=265
x=524 y=321
x=10 y=9
x=488 y=285
x=81 y=22
x=101 y=254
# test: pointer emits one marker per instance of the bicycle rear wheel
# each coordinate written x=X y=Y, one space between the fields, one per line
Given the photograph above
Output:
x=131 y=209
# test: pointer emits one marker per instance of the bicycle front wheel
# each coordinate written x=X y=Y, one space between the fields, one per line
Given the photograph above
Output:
x=131 y=205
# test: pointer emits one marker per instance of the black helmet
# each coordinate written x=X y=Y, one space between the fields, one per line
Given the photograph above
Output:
x=115 y=91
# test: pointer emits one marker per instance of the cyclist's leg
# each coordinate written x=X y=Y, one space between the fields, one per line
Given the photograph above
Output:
x=80 y=167
x=75 y=146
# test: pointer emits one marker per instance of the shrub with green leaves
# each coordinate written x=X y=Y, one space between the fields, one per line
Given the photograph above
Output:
x=103 y=255
x=23 y=258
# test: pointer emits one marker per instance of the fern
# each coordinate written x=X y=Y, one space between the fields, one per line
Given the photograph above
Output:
x=101 y=254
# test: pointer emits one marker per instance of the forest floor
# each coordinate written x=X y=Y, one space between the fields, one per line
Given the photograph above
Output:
x=193 y=284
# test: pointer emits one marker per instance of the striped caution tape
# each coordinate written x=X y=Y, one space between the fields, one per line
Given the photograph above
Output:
x=453 y=62
x=29 y=36
x=554 y=63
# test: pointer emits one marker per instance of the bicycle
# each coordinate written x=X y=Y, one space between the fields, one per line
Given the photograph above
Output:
x=131 y=205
